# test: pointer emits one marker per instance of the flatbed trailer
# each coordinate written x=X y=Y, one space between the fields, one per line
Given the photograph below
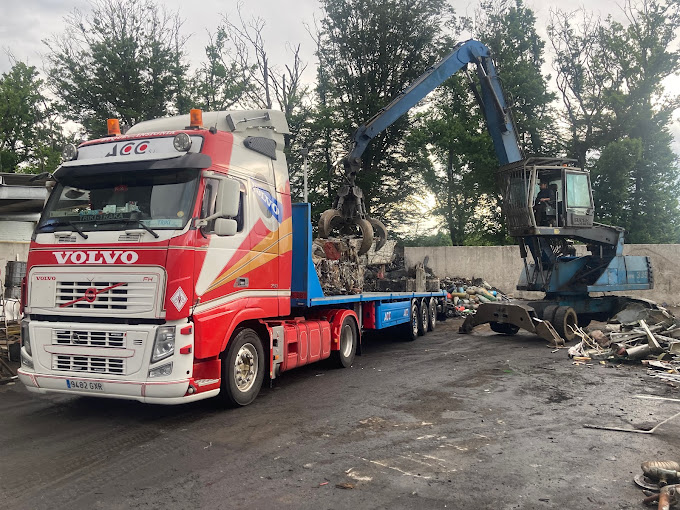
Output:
x=411 y=314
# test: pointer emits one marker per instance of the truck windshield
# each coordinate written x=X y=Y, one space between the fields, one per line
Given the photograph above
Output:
x=155 y=199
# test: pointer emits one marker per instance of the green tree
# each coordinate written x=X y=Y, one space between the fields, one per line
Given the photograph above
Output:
x=508 y=28
x=122 y=59
x=30 y=139
x=370 y=51
x=454 y=131
x=616 y=101
x=218 y=83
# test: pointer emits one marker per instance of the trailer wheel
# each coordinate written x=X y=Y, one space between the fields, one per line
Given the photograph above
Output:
x=565 y=319
x=423 y=317
x=411 y=328
x=432 y=319
x=242 y=369
x=505 y=329
x=349 y=338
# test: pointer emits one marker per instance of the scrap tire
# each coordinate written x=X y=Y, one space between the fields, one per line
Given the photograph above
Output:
x=243 y=368
x=423 y=317
x=505 y=329
x=410 y=329
x=349 y=339
x=549 y=313
x=432 y=312
x=565 y=316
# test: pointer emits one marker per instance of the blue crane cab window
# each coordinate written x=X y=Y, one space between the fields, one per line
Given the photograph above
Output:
x=578 y=190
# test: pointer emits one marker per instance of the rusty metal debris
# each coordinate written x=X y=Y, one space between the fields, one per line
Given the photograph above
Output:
x=667 y=497
x=337 y=265
x=650 y=336
x=659 y=479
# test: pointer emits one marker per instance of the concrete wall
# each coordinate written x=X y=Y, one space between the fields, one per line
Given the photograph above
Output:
x=502 y=265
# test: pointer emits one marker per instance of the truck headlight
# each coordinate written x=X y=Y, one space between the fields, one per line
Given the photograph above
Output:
x=163 y=344
x=25 y=338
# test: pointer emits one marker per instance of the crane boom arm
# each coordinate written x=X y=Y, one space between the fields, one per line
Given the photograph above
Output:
x=498 y=119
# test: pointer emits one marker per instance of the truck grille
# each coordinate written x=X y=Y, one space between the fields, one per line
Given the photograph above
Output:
x=88 y=338
x=132 y=296
x=88 y=364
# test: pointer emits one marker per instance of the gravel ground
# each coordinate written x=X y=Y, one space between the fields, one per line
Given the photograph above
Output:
x=448 y=421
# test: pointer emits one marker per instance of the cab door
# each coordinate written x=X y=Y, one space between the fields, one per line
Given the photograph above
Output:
x=578 y=199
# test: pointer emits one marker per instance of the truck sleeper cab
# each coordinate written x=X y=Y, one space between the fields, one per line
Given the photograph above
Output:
x=162 y=269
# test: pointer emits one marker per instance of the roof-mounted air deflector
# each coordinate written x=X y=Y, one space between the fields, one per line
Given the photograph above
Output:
x=265 y=146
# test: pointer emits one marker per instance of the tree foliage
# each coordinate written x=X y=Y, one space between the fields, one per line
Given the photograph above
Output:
x=30 y=139
x=370 y=50
x=453 y=129
x=508 y=28
x=610 y=75
x=122 y=59
x=125 y=59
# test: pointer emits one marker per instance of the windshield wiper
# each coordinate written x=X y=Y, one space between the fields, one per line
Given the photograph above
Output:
x=143 y=225
x=126 y=220
x=75 y=227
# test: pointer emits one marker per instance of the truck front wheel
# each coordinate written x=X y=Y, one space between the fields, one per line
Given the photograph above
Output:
x=349 y=338
x=242 y=369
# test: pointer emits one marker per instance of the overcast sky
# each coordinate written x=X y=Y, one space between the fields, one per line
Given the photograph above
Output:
x=25 y=23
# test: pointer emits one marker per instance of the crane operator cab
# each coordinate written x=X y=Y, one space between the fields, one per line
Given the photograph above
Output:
x=545 y=193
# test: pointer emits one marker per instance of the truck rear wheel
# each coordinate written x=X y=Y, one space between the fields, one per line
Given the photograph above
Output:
x=349 y=338
x=432 y=319
x=410 y=329
x=243 y=369
x=423 y=317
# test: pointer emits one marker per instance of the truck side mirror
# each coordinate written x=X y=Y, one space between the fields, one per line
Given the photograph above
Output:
x=228 y=196
x=225 y=227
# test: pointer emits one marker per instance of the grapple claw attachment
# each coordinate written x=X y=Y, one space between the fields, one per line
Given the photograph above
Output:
x=371 y=229
x=330 y=219
x=379 y=233
x=366 y=234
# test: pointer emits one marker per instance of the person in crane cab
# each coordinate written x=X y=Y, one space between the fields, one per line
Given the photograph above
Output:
x=544 y=203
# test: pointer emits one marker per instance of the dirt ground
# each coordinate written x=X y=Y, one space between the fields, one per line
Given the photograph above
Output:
x=449 y=421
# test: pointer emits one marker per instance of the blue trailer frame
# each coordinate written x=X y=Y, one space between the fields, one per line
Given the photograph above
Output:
x=391 y=308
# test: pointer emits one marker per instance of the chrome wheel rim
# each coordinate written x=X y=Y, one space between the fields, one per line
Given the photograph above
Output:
x=414 y=320
x=246 y=366
x=346 y=341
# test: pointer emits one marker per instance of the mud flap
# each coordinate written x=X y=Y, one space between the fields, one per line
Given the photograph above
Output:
x=522 y=316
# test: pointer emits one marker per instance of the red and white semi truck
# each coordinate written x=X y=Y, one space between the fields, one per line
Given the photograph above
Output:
x=169 y=265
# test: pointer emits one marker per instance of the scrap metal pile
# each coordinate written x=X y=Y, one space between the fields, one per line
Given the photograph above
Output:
x=338 y=267
x=649 y=336
x=467 y=294
x=341 y=270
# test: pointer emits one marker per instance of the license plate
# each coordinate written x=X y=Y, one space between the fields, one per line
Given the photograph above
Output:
x=84 y=385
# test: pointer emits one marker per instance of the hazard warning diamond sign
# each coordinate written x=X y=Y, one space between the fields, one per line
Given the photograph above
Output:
x=179 y=298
